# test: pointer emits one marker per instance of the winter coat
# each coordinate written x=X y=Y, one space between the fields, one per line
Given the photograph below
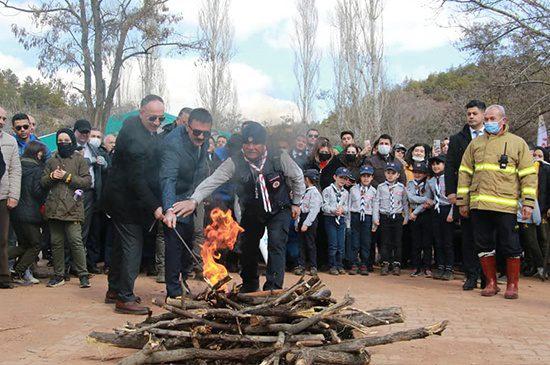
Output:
x=457 y=145
x=544 y=187
x=379 y=162
x=10 y=185
x=32 y=193
x=62 y=203
x=132 y=191
x=484 y=185
x=327 y=175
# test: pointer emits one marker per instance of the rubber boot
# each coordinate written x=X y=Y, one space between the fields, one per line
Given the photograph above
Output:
x=489 y=266
x=512 y=275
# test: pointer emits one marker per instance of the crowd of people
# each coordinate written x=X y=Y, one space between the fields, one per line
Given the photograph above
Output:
x=139 y=201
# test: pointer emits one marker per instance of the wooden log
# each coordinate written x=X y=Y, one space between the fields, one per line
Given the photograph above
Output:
x=154 y=319
x=303 y=324
x=142 y=355
x=358 y=344
x=377 y=317
x=310 y=356
x=187 y=314
x=244 y=355
x=136 y=341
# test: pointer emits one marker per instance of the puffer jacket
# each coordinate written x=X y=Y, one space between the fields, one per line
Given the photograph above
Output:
x=484 y=185
x=32 y=194
x=60 y=202
x=10 y=184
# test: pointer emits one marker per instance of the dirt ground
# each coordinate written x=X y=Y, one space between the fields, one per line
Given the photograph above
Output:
x=40 y=325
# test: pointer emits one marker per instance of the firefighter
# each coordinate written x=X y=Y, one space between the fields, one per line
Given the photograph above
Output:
x=495 y=175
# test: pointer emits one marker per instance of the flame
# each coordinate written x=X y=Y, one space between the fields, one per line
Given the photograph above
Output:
x=220 y=234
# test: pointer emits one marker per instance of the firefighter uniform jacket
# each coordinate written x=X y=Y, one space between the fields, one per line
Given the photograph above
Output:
x=485 y=182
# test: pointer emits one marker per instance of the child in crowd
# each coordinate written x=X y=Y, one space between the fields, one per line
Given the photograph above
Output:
x=390 y=213
x=421 y=221
x=306 y=225
x=361 y=202
x=335 y=207
x=442 y=219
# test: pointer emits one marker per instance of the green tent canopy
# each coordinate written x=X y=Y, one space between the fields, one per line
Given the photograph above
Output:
x=114 y=124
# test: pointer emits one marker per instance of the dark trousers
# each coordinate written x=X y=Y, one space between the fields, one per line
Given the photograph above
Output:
x=293 y=246
x=308 y=248
x=322 y=243
x=5 y=276
x=470 y=260
x=361 y=237
x=529 y=240
x=487 y=223
x=336 y=234
x=422 y=241
x=254 y=223
x=178 y=261
x=391 y=232
x=28 y=245
x=125 y=259
x=443 y=235
x=94 y=241
x=88 y=200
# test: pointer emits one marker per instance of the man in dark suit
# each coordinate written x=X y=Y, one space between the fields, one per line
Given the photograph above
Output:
x=183 y=166
x=475 y=110
x=132 y=199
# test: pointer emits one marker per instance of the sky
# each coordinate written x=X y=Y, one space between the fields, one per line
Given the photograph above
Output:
x=417 y=41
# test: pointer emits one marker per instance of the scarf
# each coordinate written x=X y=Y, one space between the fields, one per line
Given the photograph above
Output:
x=261 y=181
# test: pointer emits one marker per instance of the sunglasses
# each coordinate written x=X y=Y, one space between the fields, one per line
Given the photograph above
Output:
x=154 y=118
x=313 y=135
x=24 y=127
x=198 y=133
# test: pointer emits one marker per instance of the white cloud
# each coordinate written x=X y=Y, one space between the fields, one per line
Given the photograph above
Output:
x=18 y=67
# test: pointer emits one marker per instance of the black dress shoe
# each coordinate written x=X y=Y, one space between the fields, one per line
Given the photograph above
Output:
x=470 y=283
x=93 y=270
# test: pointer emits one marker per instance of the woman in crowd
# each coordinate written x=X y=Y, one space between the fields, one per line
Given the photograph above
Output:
x=26 y=217
x=65 y=177
x=350 y=158
x=417 y=153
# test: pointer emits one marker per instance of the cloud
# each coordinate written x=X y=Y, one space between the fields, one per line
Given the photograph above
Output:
x=18 y=67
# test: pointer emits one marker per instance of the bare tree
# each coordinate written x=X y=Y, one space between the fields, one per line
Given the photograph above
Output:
x=306 y=57
x=216 y=89
x=95 y=38
x=357 y=63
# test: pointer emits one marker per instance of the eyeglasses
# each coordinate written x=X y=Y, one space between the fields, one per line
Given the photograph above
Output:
x=24 y=127
x=313 y=136
x=154 y=118
x=197 y=132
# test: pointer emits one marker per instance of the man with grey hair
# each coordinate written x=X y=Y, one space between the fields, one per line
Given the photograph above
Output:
x=132 y=195
x=496 y=176
x=10 y=186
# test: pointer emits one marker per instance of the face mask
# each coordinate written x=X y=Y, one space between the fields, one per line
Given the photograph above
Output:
x=418 y=158
x=492 y=127
x=384 y=150
x=96 y=142
x=323 y=156
x=350 y=158
x=65 y=149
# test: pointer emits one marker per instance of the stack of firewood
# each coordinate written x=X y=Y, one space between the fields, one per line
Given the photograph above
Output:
x=299 y=325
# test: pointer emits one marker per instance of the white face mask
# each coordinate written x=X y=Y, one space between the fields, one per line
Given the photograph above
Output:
x=418 y=158
x=96 y=142
x=384 y=149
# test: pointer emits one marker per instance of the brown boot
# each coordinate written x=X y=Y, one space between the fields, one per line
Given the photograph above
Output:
x=110 y=297
x=488 y=264
x=512 y=274
x=131 y=308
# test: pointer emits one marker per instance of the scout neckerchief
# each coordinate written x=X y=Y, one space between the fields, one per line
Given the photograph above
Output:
x=338 y=194
x=261 y=180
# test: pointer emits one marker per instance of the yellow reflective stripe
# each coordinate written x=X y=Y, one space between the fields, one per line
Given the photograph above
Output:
x=527 y=171
x=529 y=191
x=494 y=199
x=463 y=190
x=495 y=167
x=465 y=169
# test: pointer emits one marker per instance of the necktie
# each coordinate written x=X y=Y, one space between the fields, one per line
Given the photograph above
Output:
x=261 y=181
x=476 y=134
x=338 y=194
x=363 y=209
x=437 y=193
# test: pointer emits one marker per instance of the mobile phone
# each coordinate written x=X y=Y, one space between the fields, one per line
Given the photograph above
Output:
x=437 y=144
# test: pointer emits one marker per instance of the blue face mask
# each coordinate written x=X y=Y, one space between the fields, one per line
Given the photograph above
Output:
x=492 y=127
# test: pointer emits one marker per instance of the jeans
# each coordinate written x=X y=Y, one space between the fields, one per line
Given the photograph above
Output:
x=361 y=237
x=178 y=260
x=70 y=232
x=336 y=234
x=28 y=247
